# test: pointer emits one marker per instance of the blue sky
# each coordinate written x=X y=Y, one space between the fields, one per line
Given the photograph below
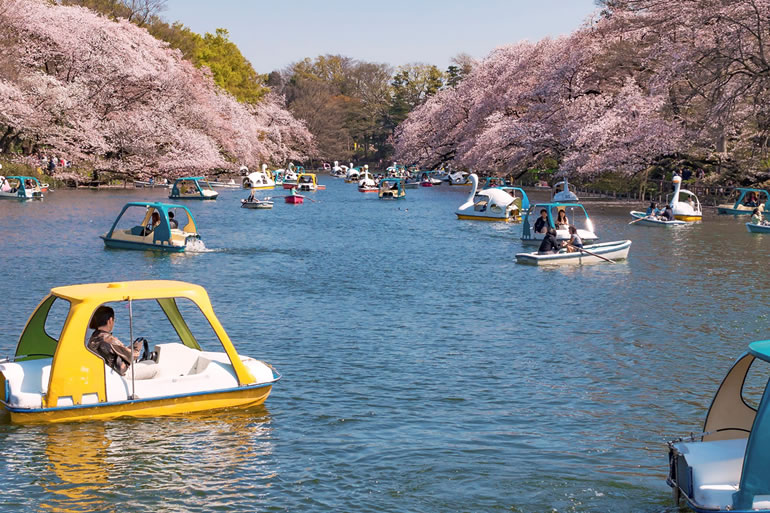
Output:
x=276 y=33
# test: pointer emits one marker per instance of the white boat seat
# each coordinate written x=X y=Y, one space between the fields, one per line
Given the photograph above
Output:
x=716 y=470
x=175 y=359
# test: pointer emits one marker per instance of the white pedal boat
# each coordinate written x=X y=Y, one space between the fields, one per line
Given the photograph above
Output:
x=616 y=250
x=725 y=468
x=652 y=221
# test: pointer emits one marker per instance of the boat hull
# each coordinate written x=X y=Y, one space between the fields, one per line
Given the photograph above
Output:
x=368 y=189
x=257 y=204
x=140 y=246
x=617 y=250
x=471 y=217
x=242 y=397
x=689 y=218
x=289 y=185
x=758 y=228
x=294 y=200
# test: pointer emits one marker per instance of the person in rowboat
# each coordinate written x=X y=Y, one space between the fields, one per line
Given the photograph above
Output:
x=653 y=209
x=668 y=214
x=756 y=217
x=575 y=242
x=549 y=244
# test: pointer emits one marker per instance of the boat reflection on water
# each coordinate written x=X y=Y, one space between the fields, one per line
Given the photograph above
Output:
x=155 y=464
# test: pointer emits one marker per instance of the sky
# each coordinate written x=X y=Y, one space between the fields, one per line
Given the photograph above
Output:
x=273 y=34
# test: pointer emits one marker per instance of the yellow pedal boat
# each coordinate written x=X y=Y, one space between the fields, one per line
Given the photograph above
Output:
x=55 y=377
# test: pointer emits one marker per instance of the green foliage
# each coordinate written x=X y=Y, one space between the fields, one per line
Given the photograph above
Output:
x=412 y=85
x=230 y=69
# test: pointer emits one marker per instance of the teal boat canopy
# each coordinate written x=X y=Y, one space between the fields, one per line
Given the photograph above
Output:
x=162 y=232
x=552 y=209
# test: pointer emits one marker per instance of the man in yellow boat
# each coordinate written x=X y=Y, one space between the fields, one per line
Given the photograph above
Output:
x=112 y=350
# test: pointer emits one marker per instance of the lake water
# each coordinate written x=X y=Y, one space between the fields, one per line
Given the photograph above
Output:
x=424 y=371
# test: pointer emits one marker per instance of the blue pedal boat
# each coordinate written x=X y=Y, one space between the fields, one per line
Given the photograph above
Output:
x=153 y=226
x=192 y=187
x=727 y=467
x=747 y=201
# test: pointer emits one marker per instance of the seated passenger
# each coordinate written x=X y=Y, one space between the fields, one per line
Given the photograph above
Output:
x=541 y=225
x=667 y=214
x=154 y=222
x=117 y=356
x=652 y=210
x=752 y=200
x=171 y=221
x=574 y=242
x=562 y=223
x=549 y=244
x=756 y=217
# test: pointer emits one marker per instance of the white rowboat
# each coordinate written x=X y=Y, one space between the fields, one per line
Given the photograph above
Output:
x=651 y=221
x=616 y=250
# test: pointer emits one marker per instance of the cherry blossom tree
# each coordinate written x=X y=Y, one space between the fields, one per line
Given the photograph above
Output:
x=108 y=95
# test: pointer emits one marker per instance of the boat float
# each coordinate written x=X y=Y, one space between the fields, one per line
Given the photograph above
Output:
x=60 y=379
x=644 y=219
x=599 y=253
x=192 y=187
x=725 y=468
x=493 y=204
x=747 y=201
x=576 y=215
x=161 y=227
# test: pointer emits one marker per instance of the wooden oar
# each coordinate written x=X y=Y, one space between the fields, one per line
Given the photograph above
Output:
x=640 y=219
x=591 y=253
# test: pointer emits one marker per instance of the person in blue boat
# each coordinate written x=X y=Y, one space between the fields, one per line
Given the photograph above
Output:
x=667 y=214
x=549 y=245
x=154 y=223
x=653 y=209
x=752 y=200
x=541 y=224
x=756 y=217
x=172 y=223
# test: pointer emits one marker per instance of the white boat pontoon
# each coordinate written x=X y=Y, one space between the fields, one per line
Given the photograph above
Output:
x=643 y=218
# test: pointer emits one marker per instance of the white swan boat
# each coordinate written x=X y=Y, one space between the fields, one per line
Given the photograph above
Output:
x=564 y=193
x=259 y=179
x=684 y=203
x=643 y=218
x=458 y=178
x=616 y=250
x=353 y=174
x=367 y=183
x=494 y=204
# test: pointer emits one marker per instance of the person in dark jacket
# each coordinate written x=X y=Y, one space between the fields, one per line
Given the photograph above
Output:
x=549 y=244
x=668 y=214
x=541 y=224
